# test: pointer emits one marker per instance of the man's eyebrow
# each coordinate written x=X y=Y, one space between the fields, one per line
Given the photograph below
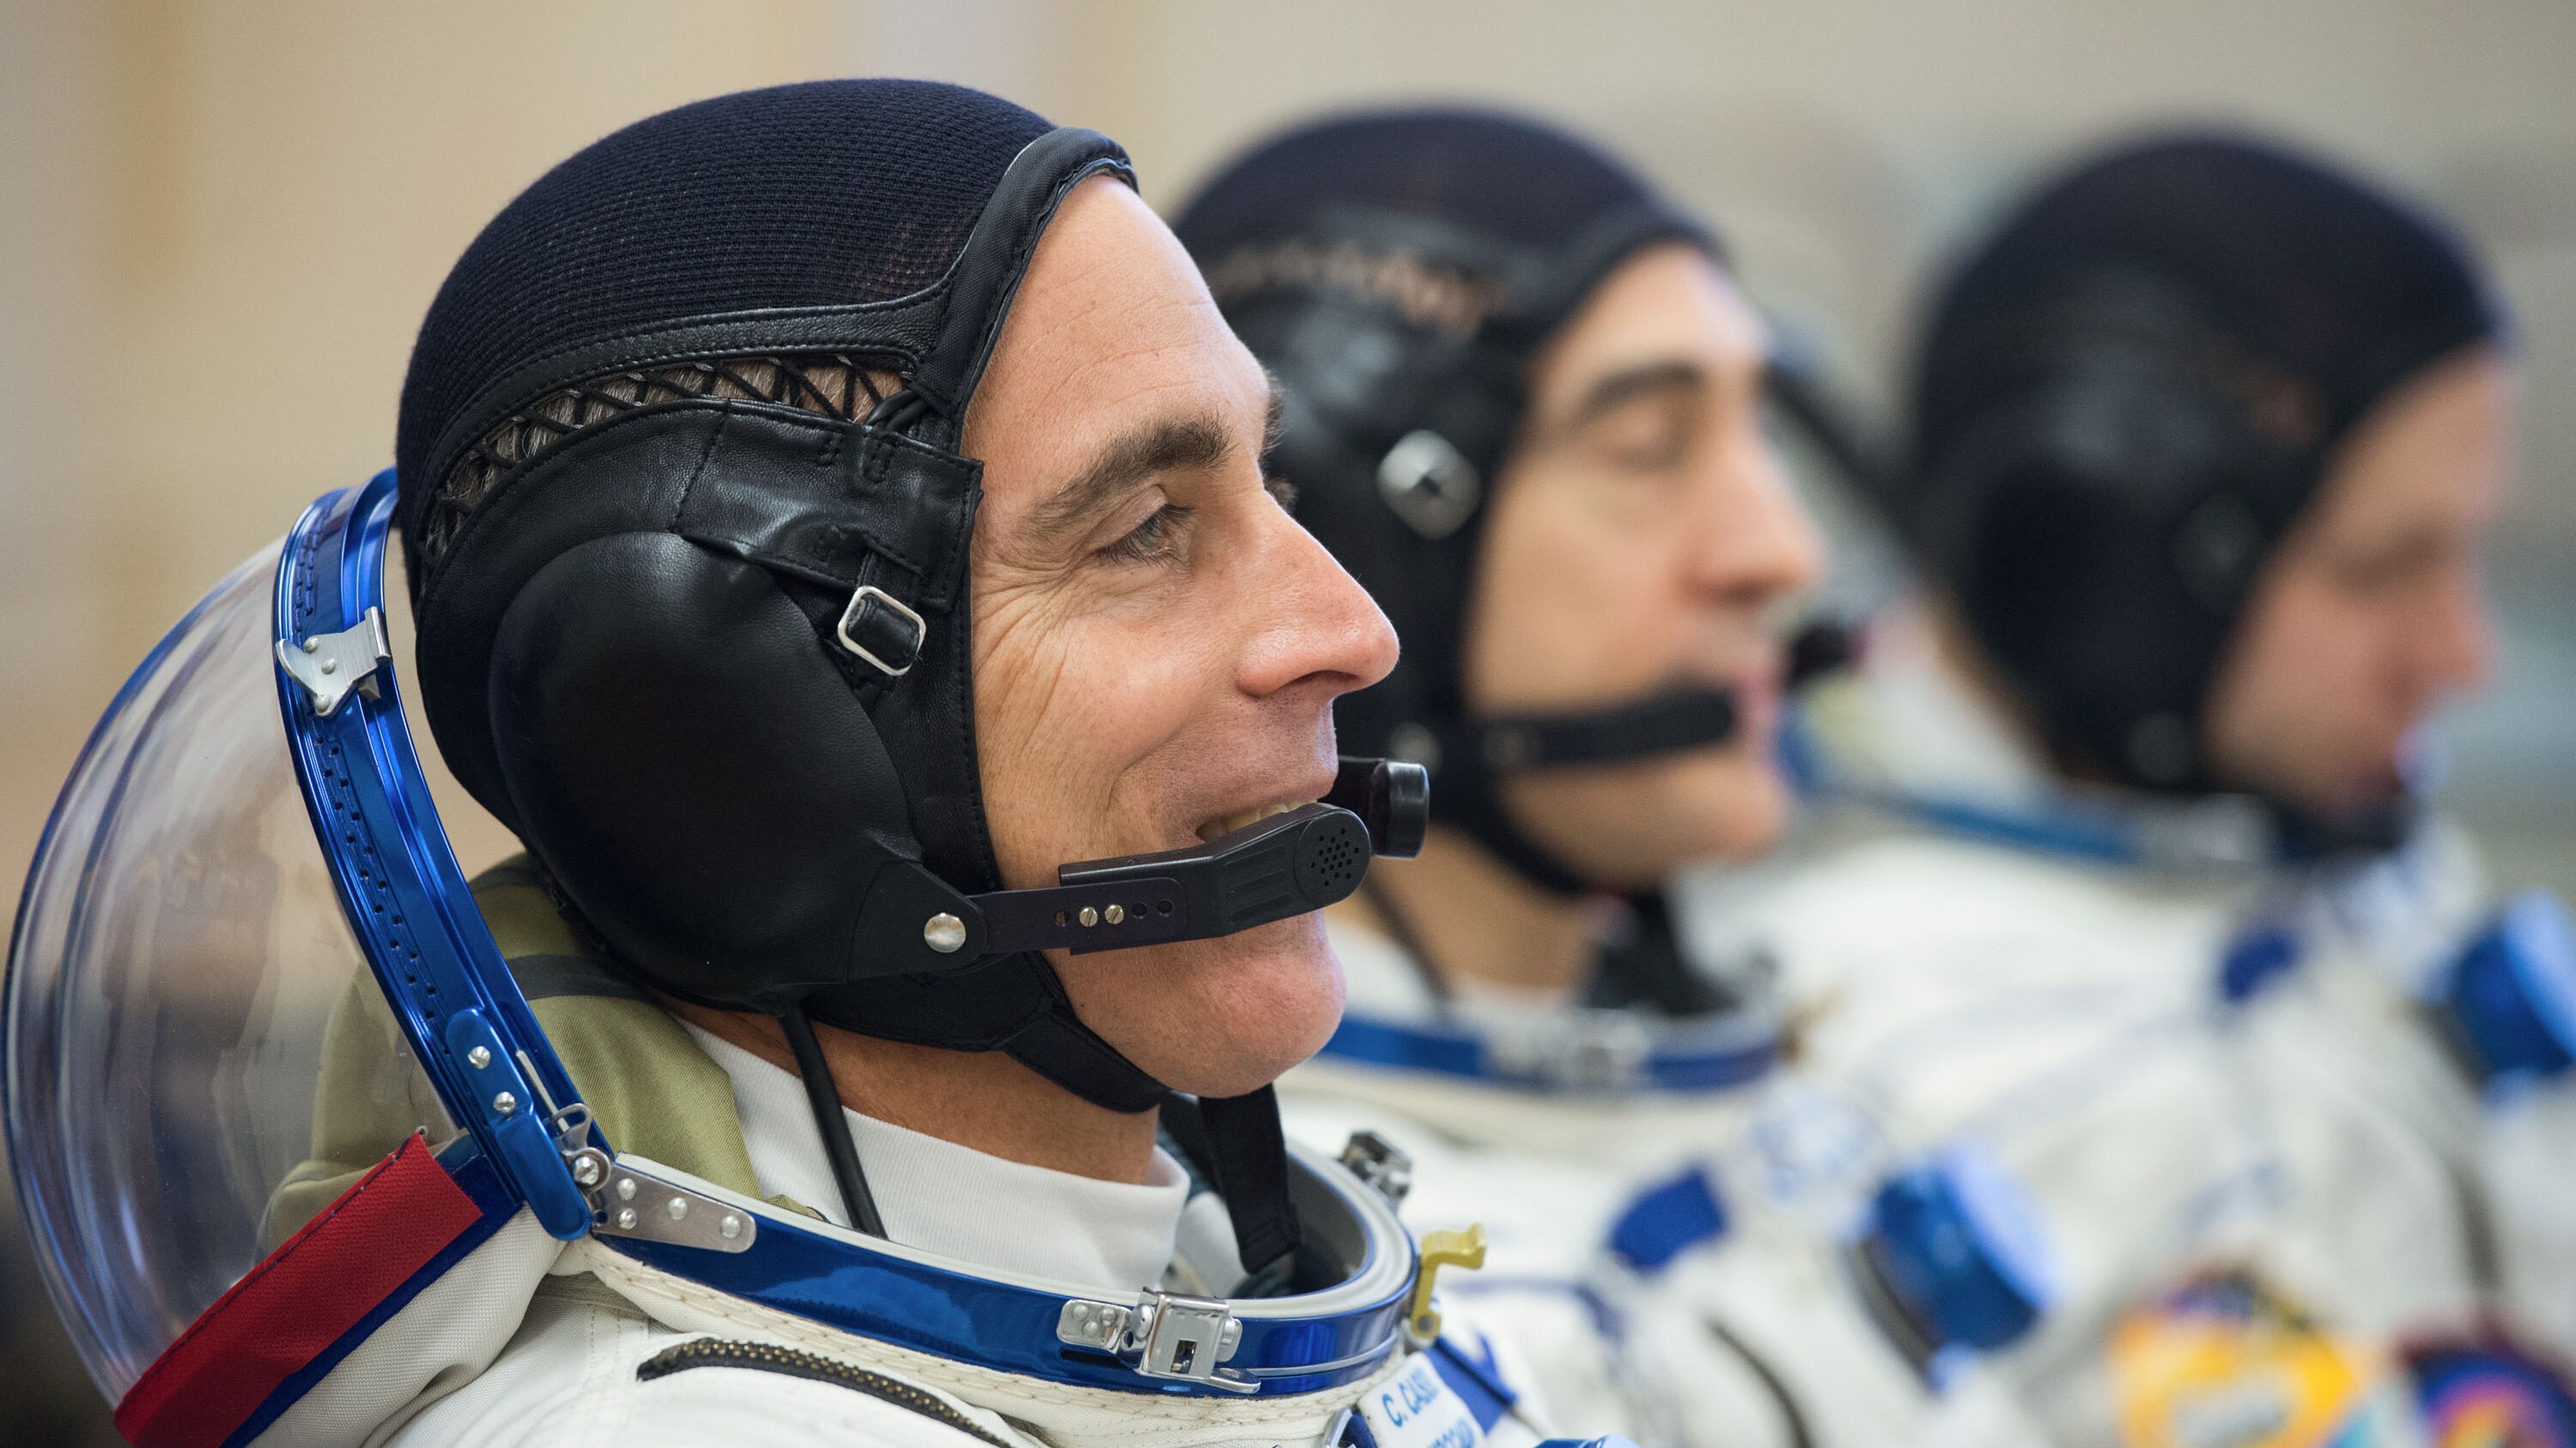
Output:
x=1630 y=383
x=1193 y=443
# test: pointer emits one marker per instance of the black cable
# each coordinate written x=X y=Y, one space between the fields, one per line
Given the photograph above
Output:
x=830 y=1120
x=1791 y=1418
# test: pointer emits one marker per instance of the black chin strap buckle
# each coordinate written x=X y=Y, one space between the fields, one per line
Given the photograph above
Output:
x=1666 y=723
x=881 y=631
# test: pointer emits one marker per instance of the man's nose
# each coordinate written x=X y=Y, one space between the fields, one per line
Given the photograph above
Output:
x=1313 y=621
x=2456 y=648
x=1753 y=542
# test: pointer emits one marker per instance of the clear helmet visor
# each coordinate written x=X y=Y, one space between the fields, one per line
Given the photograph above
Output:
x=194 y=1055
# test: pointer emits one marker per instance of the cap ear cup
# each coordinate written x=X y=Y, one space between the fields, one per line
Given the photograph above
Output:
x=2100 y=533
x=2066 y=595
x=692 y=768
x=1353 y=382
x=2102 y=470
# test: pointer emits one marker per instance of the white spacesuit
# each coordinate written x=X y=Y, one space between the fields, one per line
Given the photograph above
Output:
x=2412 y=1050
x=1542 y=1131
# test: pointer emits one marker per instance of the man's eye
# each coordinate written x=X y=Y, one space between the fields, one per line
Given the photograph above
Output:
x=2363 y=575
x=1651 y=454
x=2387 y=569
x=1643 y=438
x=1150 y=540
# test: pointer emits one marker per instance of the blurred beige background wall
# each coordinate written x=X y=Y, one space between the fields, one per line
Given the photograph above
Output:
x=221 y=222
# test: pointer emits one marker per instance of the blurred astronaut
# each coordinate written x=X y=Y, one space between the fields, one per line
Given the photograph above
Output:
x=714 y=443
x=2123 y=869
x=1523 y=400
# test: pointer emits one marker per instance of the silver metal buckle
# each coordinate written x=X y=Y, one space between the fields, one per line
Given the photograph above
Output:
x=858 y=599
x=330 y=665
x=1164 y=1335
x=1380 y=1164
x=1607 y=1052
x=627 y=1202
x=1429 y=484
x=2216 y=832
x=1590 y=1052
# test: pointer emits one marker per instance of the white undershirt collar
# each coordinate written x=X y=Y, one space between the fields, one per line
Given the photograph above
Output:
x=936 y=1196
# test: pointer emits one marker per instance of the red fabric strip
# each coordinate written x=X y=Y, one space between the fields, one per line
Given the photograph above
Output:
x=297 y=1302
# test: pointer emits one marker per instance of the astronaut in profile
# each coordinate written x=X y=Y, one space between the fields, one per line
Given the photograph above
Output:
x=2123 y=857
x=1524 y=402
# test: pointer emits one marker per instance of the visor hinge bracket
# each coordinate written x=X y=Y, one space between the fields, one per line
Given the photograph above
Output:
x=1379 y=1164
x=1163 y=1335
x=626 y=1201
x=330 y=665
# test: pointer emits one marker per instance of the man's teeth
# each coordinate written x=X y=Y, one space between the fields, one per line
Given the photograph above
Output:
x=1228 y=824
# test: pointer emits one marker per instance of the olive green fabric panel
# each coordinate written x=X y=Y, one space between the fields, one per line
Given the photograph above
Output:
x=649 y=1087
x=519 y=913
x=370 y=1097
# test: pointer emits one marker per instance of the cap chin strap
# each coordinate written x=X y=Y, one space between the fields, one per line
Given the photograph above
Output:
x=2305 y=835
x=1237 y=1142
x=1475 y=757
x=1057 y=1045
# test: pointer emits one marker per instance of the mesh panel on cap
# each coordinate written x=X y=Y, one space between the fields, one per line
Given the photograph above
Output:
x=830 y=193
x=1507 y=177
x=829 y=385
